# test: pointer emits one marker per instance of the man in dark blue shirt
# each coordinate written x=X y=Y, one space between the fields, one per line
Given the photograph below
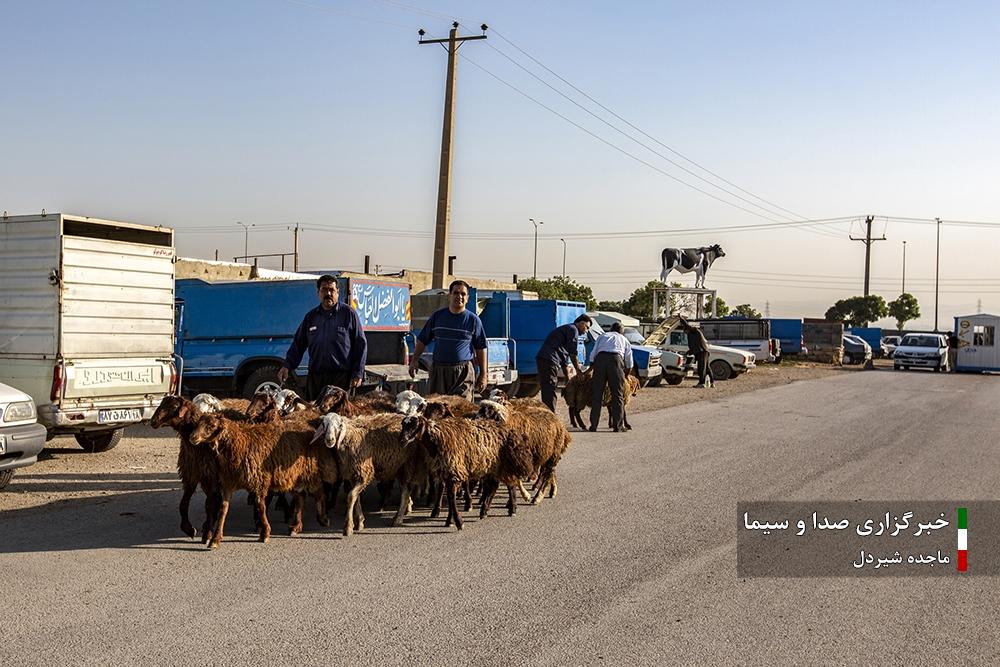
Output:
x=335 y=340
x=559 y=350
x=459 y=337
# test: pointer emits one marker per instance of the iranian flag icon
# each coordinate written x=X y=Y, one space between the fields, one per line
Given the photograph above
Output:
x=963 y=539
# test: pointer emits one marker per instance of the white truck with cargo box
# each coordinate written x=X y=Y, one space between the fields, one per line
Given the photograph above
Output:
x=87 y=321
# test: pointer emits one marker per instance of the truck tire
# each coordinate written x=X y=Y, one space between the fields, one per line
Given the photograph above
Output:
x=5 y=476
x=266 y=375
x=101 y=441
x=675 y=380
x=721 y=370
x=655 y=382
x=528 y=388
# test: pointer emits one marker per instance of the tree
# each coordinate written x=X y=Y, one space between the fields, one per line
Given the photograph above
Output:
x=611 y=306
x=858 y=310
x=747 y=311
x=721 y=307
x=904 y=309
x=560 y=287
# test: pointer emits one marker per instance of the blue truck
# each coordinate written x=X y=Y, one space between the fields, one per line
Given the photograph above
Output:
x=527 y=322
x=872 y=336
x=789 y=333
x=232 y=336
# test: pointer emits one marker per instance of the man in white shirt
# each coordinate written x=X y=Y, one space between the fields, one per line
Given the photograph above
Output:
x=611 y=358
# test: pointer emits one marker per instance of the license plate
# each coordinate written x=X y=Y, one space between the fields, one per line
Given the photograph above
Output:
x=117 y=416
x=3 y=444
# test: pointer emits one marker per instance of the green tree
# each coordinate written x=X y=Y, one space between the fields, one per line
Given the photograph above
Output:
x=611 y=306
x=721 y=307
x=640 y=302
x=904 y=309
x=858 y=310
x=560 y=287
x=747 y=311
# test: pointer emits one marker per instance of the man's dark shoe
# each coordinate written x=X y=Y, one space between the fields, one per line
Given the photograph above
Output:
x=592 y=429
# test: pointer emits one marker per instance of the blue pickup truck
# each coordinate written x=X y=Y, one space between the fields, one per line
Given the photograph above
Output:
x=232 y=336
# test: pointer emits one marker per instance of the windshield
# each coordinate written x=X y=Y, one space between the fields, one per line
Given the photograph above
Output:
x=634 y=336
x=921 y=341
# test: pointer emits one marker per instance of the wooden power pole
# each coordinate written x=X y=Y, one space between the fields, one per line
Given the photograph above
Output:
x=447 y=136
x=868 y=240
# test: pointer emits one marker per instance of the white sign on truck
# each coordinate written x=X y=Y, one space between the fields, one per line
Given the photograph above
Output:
x=87 y=321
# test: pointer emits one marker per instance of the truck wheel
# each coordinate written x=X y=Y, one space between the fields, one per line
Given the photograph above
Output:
x=101 y=441
x=5 y=476
x=265 y=376
x=675 y=380
x=528 y=389
x=655 y=382
x=720 y=370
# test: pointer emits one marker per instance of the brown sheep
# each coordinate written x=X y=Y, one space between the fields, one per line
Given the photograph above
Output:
x=460 y=450
x=459 y=406
x=195 y=466
x=369 y=449
x=335 y=399
x=261 y=458
x=579 y=392
x=545 y=436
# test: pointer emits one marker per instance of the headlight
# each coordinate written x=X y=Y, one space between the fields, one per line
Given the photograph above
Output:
x=17 y=412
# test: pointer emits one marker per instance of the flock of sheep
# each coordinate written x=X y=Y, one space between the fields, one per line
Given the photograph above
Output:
x=277 y=443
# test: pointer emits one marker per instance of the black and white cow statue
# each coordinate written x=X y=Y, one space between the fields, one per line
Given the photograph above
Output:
x=685 y=260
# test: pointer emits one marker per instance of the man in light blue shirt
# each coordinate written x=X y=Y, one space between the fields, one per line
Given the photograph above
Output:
x=611 y=358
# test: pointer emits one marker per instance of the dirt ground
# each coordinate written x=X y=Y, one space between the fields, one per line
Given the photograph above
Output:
x=145 y=460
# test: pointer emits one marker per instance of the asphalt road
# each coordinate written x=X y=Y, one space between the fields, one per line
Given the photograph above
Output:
x=632 y=563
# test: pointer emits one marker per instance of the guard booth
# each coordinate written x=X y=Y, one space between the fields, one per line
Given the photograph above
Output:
x=978 y=348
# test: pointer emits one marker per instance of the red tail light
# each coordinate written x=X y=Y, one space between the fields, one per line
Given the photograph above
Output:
x=57 y=383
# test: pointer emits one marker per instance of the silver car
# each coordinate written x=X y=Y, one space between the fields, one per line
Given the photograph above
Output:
x=21 y=436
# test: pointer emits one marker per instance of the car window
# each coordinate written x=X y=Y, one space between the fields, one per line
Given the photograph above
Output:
x=921 y=341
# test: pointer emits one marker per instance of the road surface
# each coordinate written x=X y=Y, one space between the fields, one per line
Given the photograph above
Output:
x=632 y=563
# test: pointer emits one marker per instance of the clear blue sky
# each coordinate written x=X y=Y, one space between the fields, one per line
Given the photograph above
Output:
x=327 y=113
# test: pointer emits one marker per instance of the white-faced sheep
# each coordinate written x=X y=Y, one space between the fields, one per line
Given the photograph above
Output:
x=579 y=393
x=460 y=450
x=261 y=458
x=546 y=438
x=369 y=449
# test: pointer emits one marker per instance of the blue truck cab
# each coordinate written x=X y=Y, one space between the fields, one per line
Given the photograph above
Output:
x=789 y=333
x=232 y=337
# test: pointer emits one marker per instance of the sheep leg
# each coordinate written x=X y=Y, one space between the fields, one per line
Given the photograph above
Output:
x=212 y=503
x=436 y=497
x=452 y=505
x=321 y=516
x=220 y=521
x=295 y=524
x=265 y=525
x=186 y=526
x=511 y=501
x=404 y=504
x=331 y=490
x=489 y=490
x=468 y=496
x=359 y=516
x=553 y=487
x=282 y=504
x=352 y=510
x=384 y=492
x=523 y=491
x=548 y=471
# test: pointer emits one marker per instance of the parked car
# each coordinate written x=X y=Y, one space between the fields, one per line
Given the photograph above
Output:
x=21 y=436
x=675 y=367
x=725 y=362
x=856 y=350
x=890 y=343
x=922 y=351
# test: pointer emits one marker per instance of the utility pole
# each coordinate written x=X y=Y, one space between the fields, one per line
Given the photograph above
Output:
x=447 y=136
x=246 y=238
x=937 y=273
x=904 y=268
x=868 y=240
x=564 y=257
x=295 y=247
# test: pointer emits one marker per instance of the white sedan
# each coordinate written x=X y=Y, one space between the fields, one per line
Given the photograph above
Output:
x=21 y=436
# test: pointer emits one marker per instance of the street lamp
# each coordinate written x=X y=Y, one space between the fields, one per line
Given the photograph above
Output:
x=564 y=257
x=246 y=238
x=904 y=268
x=937 y=274
x=534 y=270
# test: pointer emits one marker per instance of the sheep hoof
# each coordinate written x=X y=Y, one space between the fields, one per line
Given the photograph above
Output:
x=213 y=545
x=397 y=522
x=295 y=529
x=264 y=538
x=187 y=529
x=324 y=522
